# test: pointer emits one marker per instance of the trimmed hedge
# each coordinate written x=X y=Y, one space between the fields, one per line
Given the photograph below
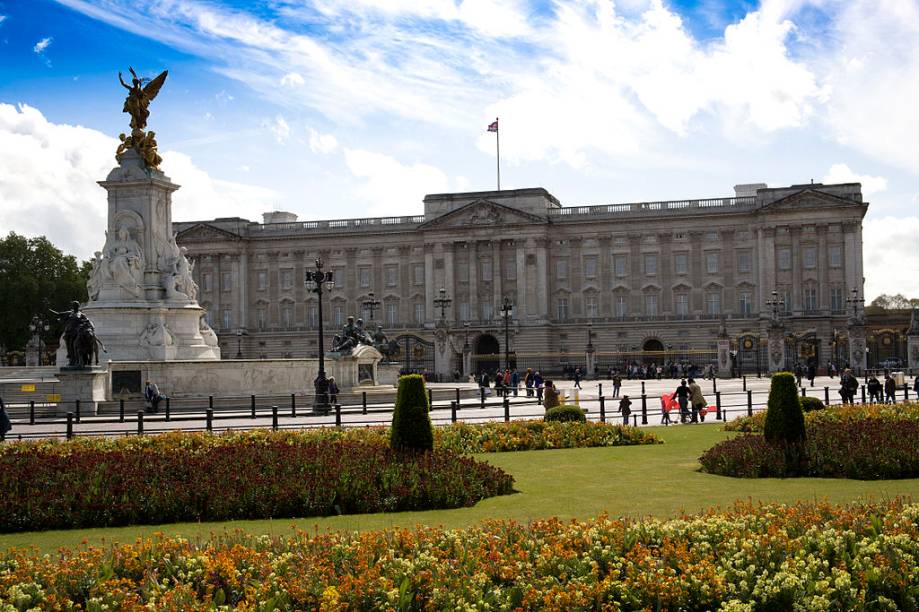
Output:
x=411 y=421
x=566 y=413
x=810 y=404
x=833 y=414
x=784 y=416
x=179 y=476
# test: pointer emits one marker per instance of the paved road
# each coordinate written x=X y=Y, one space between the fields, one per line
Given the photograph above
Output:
x=734 y=402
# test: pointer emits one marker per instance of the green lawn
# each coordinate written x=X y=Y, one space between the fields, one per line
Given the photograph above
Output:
x=659 y=480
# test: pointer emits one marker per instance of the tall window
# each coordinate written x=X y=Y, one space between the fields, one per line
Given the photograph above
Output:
x=339 y=315
x=227 y=281
x=287 y=316
x=261 y=280
x=392 y=276
x=510 y=268
x=837 y=304
x=681 y=263
x=591 y=306
x=392 y=313
x=363 y=275
x=419 y=313
x=810 y=257
x=810 y=298
x=711 y=262
x=784 y=259
x=486 y=270
x=744 y=262
x=651 y=305
x=287 y=279
x=786 y=298
x=561 y=309
x=464 y=311
x=227 y=319
x=621 y=265
x=835 y=256
x=206 y=281
x=488 y=311
x=650 y=264
x=260 y=318
x=745 y=303
x=312 y=316
x=418 y=274
x=462 y=273
x=561 y=269
x=621 y=303
x=713 y=302
x=590 y=267
x=681 y=304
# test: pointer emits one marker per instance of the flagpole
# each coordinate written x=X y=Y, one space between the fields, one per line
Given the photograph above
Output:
x=498 y=142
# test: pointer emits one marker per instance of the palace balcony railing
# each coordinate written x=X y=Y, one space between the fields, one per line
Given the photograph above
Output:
x=679 y=206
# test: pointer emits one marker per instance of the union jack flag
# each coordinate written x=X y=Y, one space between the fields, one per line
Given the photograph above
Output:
x=493 y=126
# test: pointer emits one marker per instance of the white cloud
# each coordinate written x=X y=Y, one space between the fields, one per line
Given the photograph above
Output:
x=43 y=44
x=279 y=127
x=322 y=143
x=292 y=78
x=891 y=259
x=841 y=173
x=49 y=186
x=390 y=187
x=2 y=19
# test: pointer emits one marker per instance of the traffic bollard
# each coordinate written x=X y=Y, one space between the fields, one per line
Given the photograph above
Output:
x=274 y=418
x=749 y=403
x=69 y=425
x=644 y=409
x=507 y=410
x=140 y=422
x=210 y=419
x=602 y=409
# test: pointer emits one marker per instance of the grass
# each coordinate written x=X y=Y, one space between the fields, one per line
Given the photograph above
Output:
x=658 y=480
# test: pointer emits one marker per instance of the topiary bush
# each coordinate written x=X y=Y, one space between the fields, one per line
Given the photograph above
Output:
x=810 y=404
x=784 y=416
x=411 y=421
x=566 y=412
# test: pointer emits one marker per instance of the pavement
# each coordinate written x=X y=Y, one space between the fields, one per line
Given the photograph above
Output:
x=736 y=398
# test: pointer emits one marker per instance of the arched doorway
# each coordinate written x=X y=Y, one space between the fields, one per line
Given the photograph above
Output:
x=653 y=345
x=487 y=353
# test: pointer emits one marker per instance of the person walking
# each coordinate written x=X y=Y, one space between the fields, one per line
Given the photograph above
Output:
x=551 y=396
x=874 y=390
x=515 y=381
x=811 y=373
x=577 y=378
x=152 y=396
x=799 y=373
x=665 y=409
x=537 y=383
x=890 y=390
x=5 y=424
x=697 y=400
x=682 y=395
x=333 y=391
x=625 y=408
x=528 y=381
x=617 y=384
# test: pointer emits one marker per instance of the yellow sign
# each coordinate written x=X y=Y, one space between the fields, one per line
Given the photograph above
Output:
x=27 y=388
x=54 y=397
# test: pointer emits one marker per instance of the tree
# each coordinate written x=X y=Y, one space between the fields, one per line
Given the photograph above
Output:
x=784 y=415
x=33 y=273
x=411 y=423
x=893 y=302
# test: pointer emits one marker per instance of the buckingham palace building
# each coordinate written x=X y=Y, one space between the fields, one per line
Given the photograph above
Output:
x=624 y=283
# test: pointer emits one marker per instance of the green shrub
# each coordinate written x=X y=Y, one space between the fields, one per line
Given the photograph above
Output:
x=784 y=416
x=411 y=421
x=566 y=412
x=810 y=404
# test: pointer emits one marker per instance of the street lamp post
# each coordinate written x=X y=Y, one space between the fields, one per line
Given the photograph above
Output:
x=855 y=302
x=239 y=342
x=318 y=282
x=39 y=327
x=776 y=304
x=507 y=310
x=370 y=304
x=442 y=302
x=590 y=336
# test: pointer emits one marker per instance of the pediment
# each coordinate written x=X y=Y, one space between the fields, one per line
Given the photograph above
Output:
x=807 y=198
x=482 y=213
x=204 y=232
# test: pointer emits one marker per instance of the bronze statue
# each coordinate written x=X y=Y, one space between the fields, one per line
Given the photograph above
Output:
x=139 y=97
x=80 y=337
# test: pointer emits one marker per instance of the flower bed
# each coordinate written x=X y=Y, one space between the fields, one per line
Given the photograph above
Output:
x=772 y=557
x=865 y=442
x=198 y=477
x=536 y=435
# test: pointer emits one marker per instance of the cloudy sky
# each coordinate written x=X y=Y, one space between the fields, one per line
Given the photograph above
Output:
x=360 y=107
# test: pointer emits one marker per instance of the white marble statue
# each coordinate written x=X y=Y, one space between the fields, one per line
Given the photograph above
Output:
x=184 y=280
x=126 y=261
x=96 y=276
x=169 y=284
x=210 y=338
x=156 y=334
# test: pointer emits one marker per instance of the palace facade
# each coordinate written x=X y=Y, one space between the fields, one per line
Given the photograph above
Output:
x=634 y=281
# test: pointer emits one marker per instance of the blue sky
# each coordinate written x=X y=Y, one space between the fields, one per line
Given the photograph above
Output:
x=347 y=109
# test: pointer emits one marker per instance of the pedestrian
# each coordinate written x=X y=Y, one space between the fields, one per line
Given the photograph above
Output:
x=537 y=384
x=577 y=378
x=617 y=384
x=528 y=379
x=811 y=373
x=5 y=424
x=874 y=390
x=697 y=400
x=916 y=385
x=515 y=381
x=665 y=409
x=625 y=409
x=333 y=391
x=799 y=373
x=890 y=389
x=682 y=395
x=848 y=385
x=152 y=397
x=551 y=396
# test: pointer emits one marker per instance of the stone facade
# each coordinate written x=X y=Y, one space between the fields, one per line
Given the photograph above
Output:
x=652 y=276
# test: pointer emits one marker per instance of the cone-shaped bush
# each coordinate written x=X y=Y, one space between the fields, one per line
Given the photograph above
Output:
x=784 y=416
x=411 y=423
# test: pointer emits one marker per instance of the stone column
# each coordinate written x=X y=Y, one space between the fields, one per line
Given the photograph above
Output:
x=542 y=280
x=429 y=290
x=796 y=268
x=724 y=352
x=858 y=358
x=853 y=280
x=442 y=352
x=767 y=264
x=776 y=349
x=521 y=281
x=473 y=263
x=496 y=275
x=243 y=289
x=449 y=284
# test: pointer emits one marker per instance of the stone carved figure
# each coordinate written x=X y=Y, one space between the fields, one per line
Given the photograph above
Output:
x=79 y=337
x=352 y=334
x=210 y=338
x=380 y=342
x=169 y=284
x=141 y=92
x=156 y=334
x=185 y=282
x=96 y=276
x=125 y=261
